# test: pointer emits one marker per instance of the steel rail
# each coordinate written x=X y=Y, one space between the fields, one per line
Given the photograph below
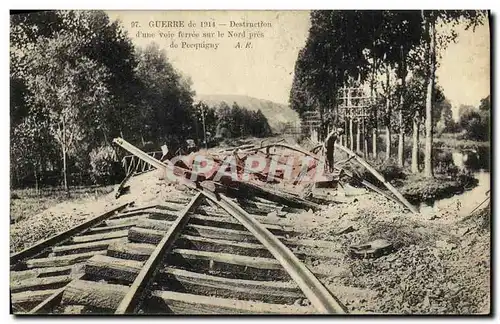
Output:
x=319 y=296
x=135 y=295
x=380 y=177
x=313 y=289
x=58 y=238
x=168 y=166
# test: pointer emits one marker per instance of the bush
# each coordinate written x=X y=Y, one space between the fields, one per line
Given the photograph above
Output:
x=444 y=164
x=476 y=125
x=388 y=169
x=103 y=165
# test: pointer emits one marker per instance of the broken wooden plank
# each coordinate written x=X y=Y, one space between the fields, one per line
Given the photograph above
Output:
x=39 y=283
x=95 y=294
x=53 y=300
x=232 y=223
x=99 y=237
x=131 y=251
x=125 y=221
x=84 y=247
x=106 y=267
x=254 y=262
x=202 y=284
x=180 y=303
x=104 y=229
x=143 y=235
x=45 y=272
x=223 y=246
x=31 y=296
x=63 y=260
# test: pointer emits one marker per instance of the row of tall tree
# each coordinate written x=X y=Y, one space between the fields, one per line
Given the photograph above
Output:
x=395 y=53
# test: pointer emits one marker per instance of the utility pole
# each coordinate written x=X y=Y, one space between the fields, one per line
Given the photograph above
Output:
x=204 y=129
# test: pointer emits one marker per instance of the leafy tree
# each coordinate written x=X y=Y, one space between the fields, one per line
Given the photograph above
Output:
x=445 y=122
x=431 y=18
x=333 y=56
x=485 y=104
x=205 y=120
x=69 y=89
x=166 y=98
x=72 y=70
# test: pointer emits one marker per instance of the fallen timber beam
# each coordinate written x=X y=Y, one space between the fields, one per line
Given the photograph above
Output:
x=31 y=296
x=99 y=237
x=59 y=238
x=379 y=177
x=181 y=303
x=39 y=283
x=107 y=267
x=135 y=294
x=83 y=247
x=313 y=289
x=226 y=182
x=95 y=294
x=210 y=221
x=62 y=260
x=400 y=199
x=46 y=272
x=208 y=285
x=54 y=299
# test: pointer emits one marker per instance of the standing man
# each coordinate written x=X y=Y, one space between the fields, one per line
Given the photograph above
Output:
x=329 y=146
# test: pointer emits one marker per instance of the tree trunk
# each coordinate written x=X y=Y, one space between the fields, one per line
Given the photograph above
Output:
x=388 y=118
x=428 y=171
x=36 y=181
x=374 y=141
x=346 y=129
x=414 y=151
x=374 y=109
x=358 y=136
x=351 y=135
x=65 y=171
x=365 y=139
x=401 y=140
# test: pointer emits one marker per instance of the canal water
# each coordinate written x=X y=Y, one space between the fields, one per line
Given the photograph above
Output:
x=476 y=161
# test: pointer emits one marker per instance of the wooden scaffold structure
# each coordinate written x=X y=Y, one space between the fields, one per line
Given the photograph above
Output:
x=354 y=108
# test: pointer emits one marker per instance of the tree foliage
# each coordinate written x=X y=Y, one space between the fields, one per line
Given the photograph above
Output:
x=77 y=82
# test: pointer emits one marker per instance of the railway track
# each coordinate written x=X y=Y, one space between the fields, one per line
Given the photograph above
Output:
x=199 y=254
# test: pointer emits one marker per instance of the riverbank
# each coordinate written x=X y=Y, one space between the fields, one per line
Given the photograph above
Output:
x=454 y=141
x=418 y=189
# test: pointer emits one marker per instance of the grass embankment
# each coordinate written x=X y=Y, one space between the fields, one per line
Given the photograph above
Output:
x=25 y=203
x=454 y=141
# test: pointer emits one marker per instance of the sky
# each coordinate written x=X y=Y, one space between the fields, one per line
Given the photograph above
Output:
x=265 y=70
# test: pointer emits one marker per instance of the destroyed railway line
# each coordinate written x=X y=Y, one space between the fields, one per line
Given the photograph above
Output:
x=212 y=251
x=199 y=254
